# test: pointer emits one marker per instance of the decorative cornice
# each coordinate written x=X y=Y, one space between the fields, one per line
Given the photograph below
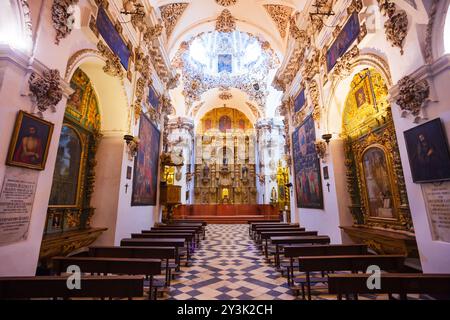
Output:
x=226 y=22
x=171 y=14
x=280 y=15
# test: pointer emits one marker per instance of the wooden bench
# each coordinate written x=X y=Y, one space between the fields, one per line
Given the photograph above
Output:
x=266 y=235
x=391 y=283
x=119 y=266
x=190 y=222
x=282 y=241
x=200 y=225
x=188 y=237
x=197 y=232
x=294 y=251
x=163 y=253
x=54 y=287
x=168 y=242
x=352 y=263
x=254 y=226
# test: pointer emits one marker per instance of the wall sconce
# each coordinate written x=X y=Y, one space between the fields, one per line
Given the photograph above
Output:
x=132 y=144
x=327 y=137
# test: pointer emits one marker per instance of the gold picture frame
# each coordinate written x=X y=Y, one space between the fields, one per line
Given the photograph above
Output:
x=30 y=142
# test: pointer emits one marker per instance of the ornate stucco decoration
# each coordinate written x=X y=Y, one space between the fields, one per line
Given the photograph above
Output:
x=152 y=33
x=257 y=112
x=343 y=66
x=46 y=91
x=113 y=66
x=429 y=58
x=412 y=97
x=173 y=82
x=141 y=83
x=321 y=149
x=312 y=66
x=62 y=18
x=142 y=63
x=280 y=15
x=226 y=22
x=314 y=94
x=226 y=3
x=396 y=26
x=225 y=95
x=171 y=14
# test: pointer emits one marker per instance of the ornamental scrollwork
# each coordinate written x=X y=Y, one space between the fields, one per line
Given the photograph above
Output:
x=226 y=22
x=46 y=91
x=171 y=14
x=396 y=26
x=413 y=96
x=226 y=3
x=63 y=18
x=113 y=66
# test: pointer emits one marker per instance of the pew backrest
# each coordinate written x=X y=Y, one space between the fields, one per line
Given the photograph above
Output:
x=56 y=287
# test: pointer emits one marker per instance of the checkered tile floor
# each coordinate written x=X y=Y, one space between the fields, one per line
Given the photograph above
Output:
x=228 y=266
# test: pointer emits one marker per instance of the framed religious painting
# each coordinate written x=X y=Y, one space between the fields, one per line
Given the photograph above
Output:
x=428 y=152
x=146 y=166
x=30 y=142
x=307 y=171
x=153 y=98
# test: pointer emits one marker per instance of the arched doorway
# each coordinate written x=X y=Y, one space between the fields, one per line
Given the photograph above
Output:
x=374 y=174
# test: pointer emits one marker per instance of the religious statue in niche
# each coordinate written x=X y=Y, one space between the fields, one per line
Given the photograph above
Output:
x=244 y=172
x=206 y=170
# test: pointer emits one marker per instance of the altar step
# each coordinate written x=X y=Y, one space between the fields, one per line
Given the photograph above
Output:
x=224 y=219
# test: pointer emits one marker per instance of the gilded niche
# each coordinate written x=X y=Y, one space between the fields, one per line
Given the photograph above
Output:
x=374 y=170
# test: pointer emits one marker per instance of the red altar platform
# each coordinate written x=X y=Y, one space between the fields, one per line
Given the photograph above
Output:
x=226 y=214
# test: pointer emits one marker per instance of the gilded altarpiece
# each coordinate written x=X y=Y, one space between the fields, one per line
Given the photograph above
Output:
x=69 y=212
x=225 y=170
x=374 y=171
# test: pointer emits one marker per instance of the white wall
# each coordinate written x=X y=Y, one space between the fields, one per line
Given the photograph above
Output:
x=21 y=258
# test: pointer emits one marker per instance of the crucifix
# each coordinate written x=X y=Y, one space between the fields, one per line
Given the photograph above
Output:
x=126 y=188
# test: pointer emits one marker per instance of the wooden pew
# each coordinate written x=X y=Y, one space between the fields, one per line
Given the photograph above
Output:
x=391 y=283
x=352 y=263
x=265 y=236
x=54 y=287
x=258 y=230
x=255 y=226
x=147 y=267
x=201 y=226
x=197 y=233
x=168 y=242
x=163 y=253
x=294 y=251
x=282 y=241
x=188 y=237
x=198 y=229
x=187 y=222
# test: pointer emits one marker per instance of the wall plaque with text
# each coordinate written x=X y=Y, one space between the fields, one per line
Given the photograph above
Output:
x=437 y=201
x=16 y=203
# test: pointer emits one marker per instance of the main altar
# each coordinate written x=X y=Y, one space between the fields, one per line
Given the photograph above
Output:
x=225 y=171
